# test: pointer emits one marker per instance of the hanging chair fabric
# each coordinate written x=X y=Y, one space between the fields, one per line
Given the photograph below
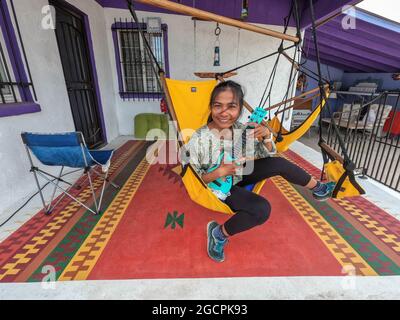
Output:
x=190 y=103
x=290 y=136
x=346 y=186
x=275 y=125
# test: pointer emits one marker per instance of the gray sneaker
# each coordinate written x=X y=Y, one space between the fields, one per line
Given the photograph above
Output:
x=324 y=191
x=215 y=247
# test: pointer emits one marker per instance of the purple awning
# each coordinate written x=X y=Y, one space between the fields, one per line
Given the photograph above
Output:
x=373 y=46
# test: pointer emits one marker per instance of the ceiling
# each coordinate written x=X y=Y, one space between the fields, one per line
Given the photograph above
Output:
x=260 y=11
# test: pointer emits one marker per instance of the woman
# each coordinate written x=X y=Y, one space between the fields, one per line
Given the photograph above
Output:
x=223 y=133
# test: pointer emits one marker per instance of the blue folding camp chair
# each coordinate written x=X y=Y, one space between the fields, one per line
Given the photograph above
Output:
x=66 y=150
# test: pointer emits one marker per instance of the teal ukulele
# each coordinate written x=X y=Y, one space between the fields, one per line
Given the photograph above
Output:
x=224 y=184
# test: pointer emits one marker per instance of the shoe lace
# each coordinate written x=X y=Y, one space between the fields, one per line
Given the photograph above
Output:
x=219 y=245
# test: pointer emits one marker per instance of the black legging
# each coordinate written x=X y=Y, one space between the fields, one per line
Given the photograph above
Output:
x=252 y=209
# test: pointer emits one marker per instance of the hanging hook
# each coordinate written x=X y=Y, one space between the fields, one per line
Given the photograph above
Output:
x=218 y=30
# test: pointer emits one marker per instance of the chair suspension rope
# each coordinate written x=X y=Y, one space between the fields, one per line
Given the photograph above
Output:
x=323 y=96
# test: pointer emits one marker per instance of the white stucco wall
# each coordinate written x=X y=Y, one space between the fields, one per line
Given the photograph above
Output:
x=183 y=62
x=16 y=182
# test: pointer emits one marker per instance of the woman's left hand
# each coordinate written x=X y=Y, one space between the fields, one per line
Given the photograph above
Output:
x=260 y=132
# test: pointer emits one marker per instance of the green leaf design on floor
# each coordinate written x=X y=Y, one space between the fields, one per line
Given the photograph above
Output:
x=174 y=219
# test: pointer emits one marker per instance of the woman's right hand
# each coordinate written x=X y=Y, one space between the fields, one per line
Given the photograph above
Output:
x=224 y=170
x=230 y=168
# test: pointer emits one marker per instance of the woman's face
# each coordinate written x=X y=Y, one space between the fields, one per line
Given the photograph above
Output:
x=225 y=109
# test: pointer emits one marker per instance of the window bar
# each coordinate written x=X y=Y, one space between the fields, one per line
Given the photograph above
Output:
x=150 y=72
x=131 y=59
x=138 y=63
x=8 y=75
x=2 y=83
x=23 y=51
x=146 y=66
x=117 y=34
x=141 y=64
x=13 y=53
x=125 y=59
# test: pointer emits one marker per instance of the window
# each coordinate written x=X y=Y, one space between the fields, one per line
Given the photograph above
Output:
x=137 y=73
x=5 y=91
x=17 y=93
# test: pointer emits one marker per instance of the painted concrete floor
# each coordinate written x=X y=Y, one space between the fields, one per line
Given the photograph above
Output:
x=345 y=287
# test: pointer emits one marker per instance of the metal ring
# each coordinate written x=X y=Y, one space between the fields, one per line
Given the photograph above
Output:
x=217 y=31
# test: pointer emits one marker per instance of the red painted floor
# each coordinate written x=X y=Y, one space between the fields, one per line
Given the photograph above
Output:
x=142 y=248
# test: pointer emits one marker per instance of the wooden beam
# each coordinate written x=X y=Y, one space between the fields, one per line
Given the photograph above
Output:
x=205 y=15
x=211 y=75
x=295 y=64
x=298 y=102
x=331 y=152
x=301 y=96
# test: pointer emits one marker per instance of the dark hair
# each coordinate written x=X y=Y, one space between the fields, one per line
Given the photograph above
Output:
x=236 y=89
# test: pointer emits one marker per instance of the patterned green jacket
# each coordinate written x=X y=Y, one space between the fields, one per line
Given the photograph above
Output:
x=205 y=146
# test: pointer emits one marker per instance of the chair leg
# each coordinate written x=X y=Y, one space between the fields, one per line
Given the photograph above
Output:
x=50 y=207
x=105 y=177
x=66 y=193
x=93 y=192
x=40 y=192
x=33 y=170
x=102 y=191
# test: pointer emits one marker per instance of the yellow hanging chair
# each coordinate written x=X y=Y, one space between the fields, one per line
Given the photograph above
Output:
x=288 y=137
x=188 y=102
